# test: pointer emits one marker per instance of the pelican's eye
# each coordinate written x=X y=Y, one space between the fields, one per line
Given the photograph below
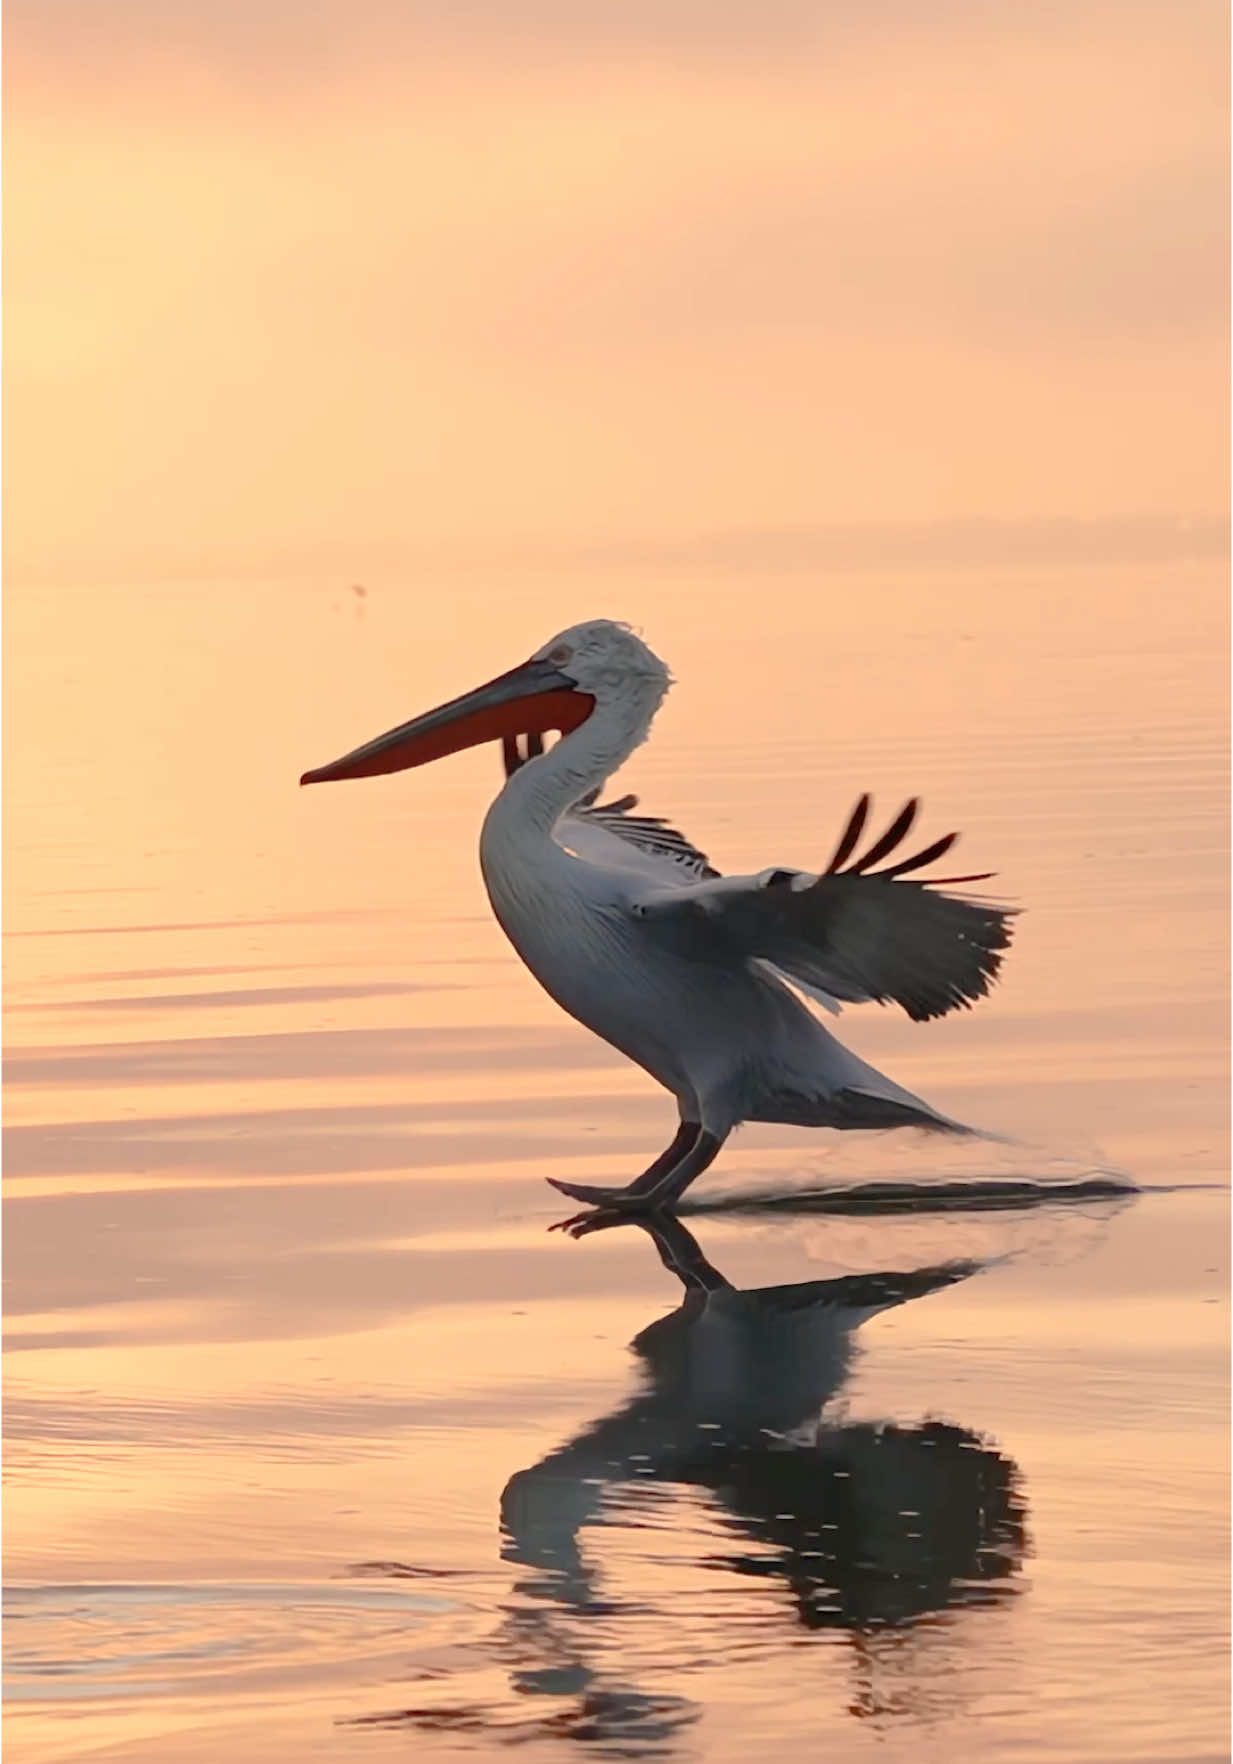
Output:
x=562 y=653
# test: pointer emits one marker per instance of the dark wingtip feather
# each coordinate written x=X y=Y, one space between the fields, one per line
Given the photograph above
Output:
x=850 y=834
x=930 y=855
x=951 y=881
x=897 y=831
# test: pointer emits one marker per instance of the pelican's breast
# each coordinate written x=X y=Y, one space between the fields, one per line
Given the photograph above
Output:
x=570 y=921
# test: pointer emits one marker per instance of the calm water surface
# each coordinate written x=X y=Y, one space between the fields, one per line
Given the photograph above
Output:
x=321 y=1446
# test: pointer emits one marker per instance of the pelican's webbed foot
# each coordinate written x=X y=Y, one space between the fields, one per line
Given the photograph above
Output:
x=663 y=1184
x=616 y=1200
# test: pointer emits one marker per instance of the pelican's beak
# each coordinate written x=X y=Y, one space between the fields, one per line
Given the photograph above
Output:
x=529 y=699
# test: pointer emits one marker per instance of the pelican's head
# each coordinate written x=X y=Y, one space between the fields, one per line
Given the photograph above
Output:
x=600 y=663
x=608 y=660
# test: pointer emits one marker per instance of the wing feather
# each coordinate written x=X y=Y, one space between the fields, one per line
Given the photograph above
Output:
x=648 y=834
x=851 y=834
x=856 y=934
x=898 y=831
x=930 y=855
x=590 y=826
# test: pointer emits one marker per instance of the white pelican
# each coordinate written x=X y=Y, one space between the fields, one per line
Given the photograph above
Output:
x=697 y=978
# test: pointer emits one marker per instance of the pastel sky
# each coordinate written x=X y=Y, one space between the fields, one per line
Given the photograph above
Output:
x=300 y=287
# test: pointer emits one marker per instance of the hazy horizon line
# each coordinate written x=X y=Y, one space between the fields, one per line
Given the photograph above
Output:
x=971 y=543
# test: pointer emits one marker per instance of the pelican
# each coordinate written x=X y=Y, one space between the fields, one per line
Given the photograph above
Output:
x=700 y=979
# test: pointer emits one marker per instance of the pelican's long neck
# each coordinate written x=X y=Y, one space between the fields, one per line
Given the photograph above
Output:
x=539 y=792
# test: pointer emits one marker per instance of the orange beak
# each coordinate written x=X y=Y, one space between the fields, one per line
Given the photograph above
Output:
x=530 y=699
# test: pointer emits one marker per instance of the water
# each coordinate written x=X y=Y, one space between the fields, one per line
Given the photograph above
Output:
x=321 y=1445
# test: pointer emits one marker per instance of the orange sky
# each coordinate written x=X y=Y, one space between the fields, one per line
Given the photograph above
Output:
x=299 y=288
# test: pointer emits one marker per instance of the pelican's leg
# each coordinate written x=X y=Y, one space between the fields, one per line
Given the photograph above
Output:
x=686 y=1134
x=662 y=1182
x=673 y=1183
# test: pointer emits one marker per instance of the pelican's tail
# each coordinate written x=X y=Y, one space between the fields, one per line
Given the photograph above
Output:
x=843 y=1091
x=866 y=1108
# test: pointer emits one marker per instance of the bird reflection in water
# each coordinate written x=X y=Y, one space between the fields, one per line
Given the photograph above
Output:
x=865 y=1526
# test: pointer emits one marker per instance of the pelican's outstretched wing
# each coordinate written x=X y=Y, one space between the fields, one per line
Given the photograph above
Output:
x=610 y=833
x=856 y=932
